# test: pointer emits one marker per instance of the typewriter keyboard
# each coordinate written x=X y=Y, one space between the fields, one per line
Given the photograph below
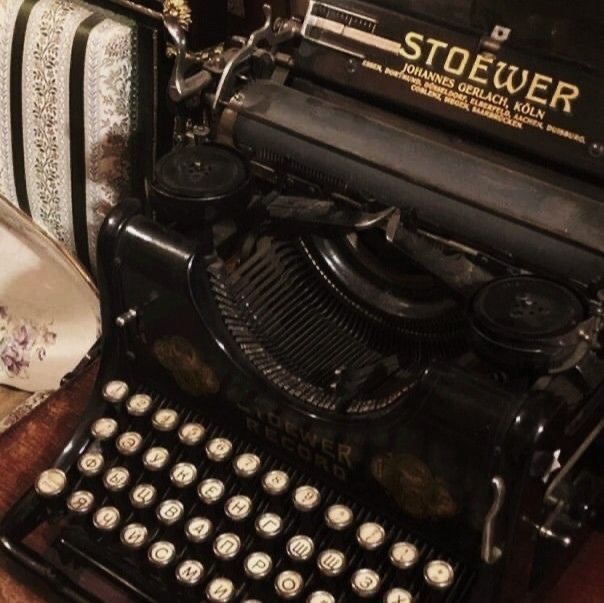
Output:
x=195 y=514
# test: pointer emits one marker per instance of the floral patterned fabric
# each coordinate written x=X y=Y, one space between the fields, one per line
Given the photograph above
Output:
x=109 y=98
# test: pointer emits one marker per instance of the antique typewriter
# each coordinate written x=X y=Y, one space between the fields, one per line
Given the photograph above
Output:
x=352 y=338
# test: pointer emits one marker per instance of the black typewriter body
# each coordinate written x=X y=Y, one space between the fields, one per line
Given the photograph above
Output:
x=349 y=354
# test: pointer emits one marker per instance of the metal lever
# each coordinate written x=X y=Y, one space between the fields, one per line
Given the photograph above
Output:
x=286 y=31
x=181 y=87
x=318 y=212
x=488 y=552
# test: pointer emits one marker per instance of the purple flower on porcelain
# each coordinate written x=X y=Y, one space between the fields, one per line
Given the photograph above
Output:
x=22 y=341
x=25 y=336
x=13 y=359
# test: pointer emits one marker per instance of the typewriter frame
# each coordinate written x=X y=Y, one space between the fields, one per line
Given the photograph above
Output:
x=523 y=526
x=536 y=423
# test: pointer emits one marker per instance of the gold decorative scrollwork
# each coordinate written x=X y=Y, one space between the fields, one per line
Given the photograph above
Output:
x=180 y=10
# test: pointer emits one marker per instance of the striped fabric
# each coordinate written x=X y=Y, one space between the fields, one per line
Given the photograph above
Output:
x=67 y=115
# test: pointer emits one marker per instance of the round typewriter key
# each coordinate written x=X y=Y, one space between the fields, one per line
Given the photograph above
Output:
x=51 y=483
x=219 y=449
x=134 y=536
x=91 y=464
x=189 y=572
x=289 y=584
x=258 y=565
x=320 y=596
x=300 y=548
x=238 y=508
x=210 y=490
x=143 y=496
x=198 y=529
x=170 y=512
x=339 y=517
x=246 y=465
x=275 y=482
x=116 y=479
x=106 y=519
x=331 y=562
x=268 y=525
x=165 y=419
x=183 y=475
x=139 y=405
x=156 y=458
x=115 y=392
x=129 y=443
x=398 y=595
x=306 y=498
x=220 y=590
x=161 y=553
x=365 y=583
x=191 y=434
x=80 y=502
x=370 y=536
x=438 y=574
x=403 y=555
x=104 y=428
x=226 y=546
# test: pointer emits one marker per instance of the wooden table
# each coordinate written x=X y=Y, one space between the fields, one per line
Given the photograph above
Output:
x=31 y=446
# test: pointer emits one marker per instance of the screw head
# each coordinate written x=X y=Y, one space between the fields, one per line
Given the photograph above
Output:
x=596 y=149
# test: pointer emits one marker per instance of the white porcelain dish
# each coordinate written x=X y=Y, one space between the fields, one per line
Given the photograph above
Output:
x=49 y=307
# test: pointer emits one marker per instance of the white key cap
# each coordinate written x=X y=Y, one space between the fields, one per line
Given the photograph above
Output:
x=289 y=584
x=189 y=572
x=246 y=465
x=104 y=428
x=403 y=555
x=438 y=574
x=306 y=498
x=339 y=517
x=115 y=391
x=226 y=546
x=91 y=464
x=80 y=502
x=210 y=490
x=398 y=595
x=198 y=529
x=156 y=458
x=268 y=525
x=106 y=519
x=320 y=596
x=183 y=475
x=238 y=508
x=165 y=419
x=220 y=590
x=275 y=482
x=116 y=479
x=143 y=496
x=300 y=548
x=134 y=536
x=51 y=483
x=370 y=535
x=139 y=405
x=161 y=553
x=331 y=562
x=191 y=434
x=365 y=583
x=258 y=565
x=219 y=449
x=170 y=511
x=129 y=443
